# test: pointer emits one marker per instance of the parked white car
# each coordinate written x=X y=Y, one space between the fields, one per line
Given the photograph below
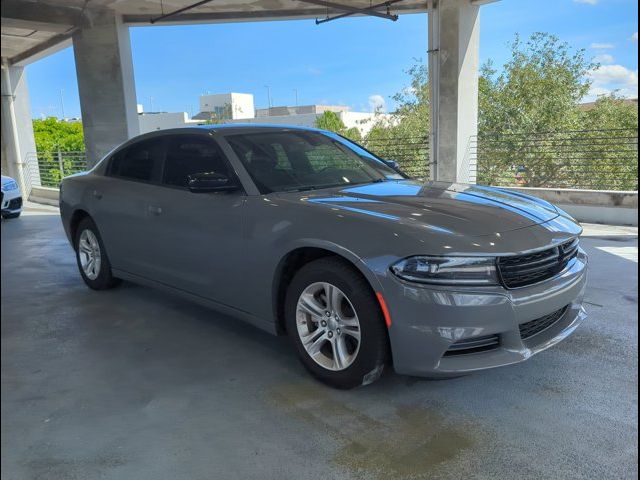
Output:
x=11 y=198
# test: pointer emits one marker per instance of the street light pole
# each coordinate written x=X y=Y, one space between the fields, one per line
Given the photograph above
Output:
x=268 y=95
x=62 y=103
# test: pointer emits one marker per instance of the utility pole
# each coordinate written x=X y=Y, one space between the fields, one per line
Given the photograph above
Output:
x=296 y=92
x=62 y=103
x=150 y=104
x=268 y=87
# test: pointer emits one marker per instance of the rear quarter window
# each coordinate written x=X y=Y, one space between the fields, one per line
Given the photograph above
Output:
x=141 y=161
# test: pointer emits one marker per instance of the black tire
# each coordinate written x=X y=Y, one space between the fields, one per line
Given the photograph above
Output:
x=8 y=216
x=373 y=353
x=105 y=278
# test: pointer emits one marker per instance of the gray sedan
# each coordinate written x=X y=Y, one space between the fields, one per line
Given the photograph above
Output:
x=303 y=232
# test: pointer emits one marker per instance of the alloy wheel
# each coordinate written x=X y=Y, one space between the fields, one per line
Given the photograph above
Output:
x=328 y=326
x=89 y=254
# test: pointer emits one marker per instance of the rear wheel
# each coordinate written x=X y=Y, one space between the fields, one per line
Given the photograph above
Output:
x=92 y=258
x=336 y=325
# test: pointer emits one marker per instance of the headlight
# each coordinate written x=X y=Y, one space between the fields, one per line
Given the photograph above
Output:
x=448 y=270
x=11 y=185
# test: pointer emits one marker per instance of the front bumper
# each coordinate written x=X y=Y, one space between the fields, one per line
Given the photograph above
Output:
x=428 y=320
x=11 y=201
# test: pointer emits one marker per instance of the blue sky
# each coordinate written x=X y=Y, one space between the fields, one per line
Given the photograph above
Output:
x=359 y=62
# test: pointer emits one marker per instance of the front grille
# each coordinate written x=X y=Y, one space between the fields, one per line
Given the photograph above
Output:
x=473 y=345
x=522 y=270
x=15 y=203
x=534 y=327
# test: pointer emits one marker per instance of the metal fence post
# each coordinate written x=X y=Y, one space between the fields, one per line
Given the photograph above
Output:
x=60 y=164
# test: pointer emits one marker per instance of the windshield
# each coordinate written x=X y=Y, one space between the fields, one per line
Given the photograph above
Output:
x=283 y=161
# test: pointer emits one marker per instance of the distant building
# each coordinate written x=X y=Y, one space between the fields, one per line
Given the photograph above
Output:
x=226 y=106
x=152 y=121
x=307 y=115
x=239 y=108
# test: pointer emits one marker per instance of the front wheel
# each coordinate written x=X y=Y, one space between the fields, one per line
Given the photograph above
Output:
x=91 y=257
x=336 y=324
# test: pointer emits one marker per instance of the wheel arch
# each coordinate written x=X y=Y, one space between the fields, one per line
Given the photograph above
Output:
x=301 y=255
x=76 y=217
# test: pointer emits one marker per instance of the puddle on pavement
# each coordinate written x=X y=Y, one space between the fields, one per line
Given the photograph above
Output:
x=409 y=443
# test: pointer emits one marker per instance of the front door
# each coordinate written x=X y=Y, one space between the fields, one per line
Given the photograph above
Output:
x=197 y=238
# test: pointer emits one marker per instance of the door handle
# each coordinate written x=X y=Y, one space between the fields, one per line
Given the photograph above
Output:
x=97 y=194
x=155 y=210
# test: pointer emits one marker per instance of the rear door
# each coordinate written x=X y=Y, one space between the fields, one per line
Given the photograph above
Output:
x=121 y=204
x=198 y=238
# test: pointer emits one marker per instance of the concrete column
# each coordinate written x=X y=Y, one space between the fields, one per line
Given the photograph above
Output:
x=104 y=67
x=454 y=38
x=18 y=145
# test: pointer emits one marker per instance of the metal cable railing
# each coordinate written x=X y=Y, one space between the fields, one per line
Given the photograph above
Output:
x=580 y=159
x=411 y=153
x=47 y=169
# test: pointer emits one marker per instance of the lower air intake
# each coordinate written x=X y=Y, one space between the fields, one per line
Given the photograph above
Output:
x=467 y=346
x=534 y=327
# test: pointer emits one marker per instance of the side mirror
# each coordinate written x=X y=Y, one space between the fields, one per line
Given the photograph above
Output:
x=392 y=163
x=209 y=182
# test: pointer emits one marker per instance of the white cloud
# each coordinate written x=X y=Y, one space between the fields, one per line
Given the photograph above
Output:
x=604 y=59
x=590 y=2
x=634 y=37
x=614 y=74
x=377 y=103
x=609 y=78
x=602 y=46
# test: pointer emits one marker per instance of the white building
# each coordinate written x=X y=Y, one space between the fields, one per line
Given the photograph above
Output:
x=231 y=106
x=239 y=108
x=307 y=115
x=152 y=121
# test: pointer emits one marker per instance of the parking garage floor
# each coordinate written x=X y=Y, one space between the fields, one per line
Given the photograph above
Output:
x=133 y=384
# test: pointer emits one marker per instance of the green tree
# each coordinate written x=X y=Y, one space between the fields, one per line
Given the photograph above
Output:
x=610 y=140
x=52 y=134
x=404 y=137
x=60 y=147
x=537 y=90
x=533 y=130
x=332 y=122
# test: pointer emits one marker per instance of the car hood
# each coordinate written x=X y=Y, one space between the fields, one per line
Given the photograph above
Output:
x=457 y=209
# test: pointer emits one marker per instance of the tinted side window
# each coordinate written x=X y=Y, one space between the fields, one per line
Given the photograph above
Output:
x=191 y=154
x=141 y=161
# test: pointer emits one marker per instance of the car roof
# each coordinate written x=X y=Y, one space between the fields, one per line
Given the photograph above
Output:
x=258 y=126
x=243 y=127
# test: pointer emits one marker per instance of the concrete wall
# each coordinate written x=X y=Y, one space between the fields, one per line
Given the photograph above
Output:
x=591 y=206
x=18 y=143
x=45 y=196
x=454 y=40
x=104 y=68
